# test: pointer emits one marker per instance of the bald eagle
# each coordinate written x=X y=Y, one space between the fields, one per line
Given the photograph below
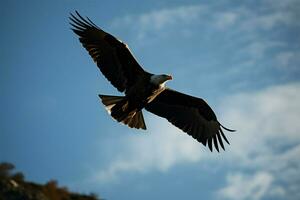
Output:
x=144 y=90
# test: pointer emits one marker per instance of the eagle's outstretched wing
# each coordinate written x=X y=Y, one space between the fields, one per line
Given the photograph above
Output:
x=111 y=55
x=190 y=114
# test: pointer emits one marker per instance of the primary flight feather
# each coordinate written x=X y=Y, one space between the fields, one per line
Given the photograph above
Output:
x=144 y=90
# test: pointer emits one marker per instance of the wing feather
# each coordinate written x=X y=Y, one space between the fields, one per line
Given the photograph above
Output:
x=220 y=141
x=216 y=142
x=210 y=144
x=111 y=55
x=190 y=114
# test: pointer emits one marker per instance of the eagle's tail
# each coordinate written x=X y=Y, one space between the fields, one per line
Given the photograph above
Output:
x=116 y=106
x=110 y=101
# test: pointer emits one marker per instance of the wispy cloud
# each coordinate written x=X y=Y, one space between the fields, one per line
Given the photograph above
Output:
x=163 y=147
x=267 y=119
x=159 y=20
x=269 y=141
x=288 y=59
x=244 y=34
x=267 y=124
x=225 y=19
x=245 y=187
x=189 y=16
x=267 y=21
x=258 y=49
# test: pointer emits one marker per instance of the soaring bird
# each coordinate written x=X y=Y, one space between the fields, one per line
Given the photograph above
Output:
x=144 y=90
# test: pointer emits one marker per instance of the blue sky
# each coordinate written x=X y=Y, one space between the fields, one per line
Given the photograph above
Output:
x=242 y=57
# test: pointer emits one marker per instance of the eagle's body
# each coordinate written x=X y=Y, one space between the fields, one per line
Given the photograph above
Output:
x=143 y=89
x=128 y=109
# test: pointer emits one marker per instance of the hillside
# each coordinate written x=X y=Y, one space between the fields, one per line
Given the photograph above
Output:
x=13 y=186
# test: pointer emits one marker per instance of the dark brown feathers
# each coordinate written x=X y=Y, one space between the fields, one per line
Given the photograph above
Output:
x=111 y=55
x=190 y=114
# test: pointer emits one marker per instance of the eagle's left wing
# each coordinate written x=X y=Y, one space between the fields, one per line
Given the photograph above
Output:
x=191 y=114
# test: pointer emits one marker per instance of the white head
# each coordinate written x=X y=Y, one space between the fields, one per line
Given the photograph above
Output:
x=160 y=79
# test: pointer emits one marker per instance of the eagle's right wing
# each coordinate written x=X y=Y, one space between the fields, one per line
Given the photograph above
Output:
x=111 y=55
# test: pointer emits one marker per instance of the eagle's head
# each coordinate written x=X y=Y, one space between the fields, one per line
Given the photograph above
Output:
x=160 y=79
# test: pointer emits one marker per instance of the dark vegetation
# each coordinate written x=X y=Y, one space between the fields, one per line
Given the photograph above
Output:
x=13 y=186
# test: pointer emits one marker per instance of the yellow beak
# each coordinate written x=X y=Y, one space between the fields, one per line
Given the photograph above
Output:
x=169 y=77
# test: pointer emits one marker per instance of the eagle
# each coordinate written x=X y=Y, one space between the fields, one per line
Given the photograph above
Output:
x=144 y=90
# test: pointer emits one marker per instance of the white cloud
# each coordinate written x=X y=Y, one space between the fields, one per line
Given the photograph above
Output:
x=263 y=116
x=245 y=28
x=188 y=16
x=252 y=20
x=268 y=21
x=267 y=144
x=267 y=120
x=158 y=20
x=258 y=49
x=243 y=187
x=268 y=138
x=160 y=148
